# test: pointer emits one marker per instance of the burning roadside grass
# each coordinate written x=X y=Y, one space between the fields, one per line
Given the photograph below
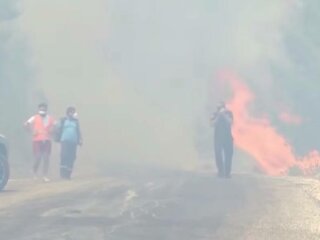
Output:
x=257 y=137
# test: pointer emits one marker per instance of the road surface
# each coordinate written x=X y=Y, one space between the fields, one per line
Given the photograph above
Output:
x=173 y=206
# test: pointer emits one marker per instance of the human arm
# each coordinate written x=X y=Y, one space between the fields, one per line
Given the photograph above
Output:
x=80 y=140
x=228 y=115
x=29 y=122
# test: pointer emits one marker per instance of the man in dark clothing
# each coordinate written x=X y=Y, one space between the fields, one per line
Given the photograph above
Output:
x=223 y=140
x=69 y=135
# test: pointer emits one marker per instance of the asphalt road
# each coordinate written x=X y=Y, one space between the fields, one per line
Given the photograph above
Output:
x=173 y=206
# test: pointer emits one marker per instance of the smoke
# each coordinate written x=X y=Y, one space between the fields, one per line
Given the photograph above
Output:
x=261 y=140
x=15 y=79
x=288 y=118
x=143 y=73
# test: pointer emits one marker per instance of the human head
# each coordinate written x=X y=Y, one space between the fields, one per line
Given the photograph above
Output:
x=221 y=105
x=71 y=112
x=43 y=109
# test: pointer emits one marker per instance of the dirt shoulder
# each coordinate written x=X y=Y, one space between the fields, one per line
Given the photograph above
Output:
x=20 y=191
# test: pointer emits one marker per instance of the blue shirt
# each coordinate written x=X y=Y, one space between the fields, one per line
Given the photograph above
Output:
x=70 y=131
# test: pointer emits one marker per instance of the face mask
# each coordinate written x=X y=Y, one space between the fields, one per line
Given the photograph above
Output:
x=42 y=113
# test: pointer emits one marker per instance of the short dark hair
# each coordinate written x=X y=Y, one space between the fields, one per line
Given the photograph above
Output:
x=221 y=104
x=43 y=105
x=70 y=109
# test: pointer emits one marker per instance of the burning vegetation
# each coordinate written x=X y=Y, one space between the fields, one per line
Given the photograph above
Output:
x=260 y=139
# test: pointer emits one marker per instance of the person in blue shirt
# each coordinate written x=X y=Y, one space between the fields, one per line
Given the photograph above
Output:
x=70 y=138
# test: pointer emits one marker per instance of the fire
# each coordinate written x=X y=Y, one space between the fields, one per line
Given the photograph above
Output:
x=257 y=136
x=290 y=118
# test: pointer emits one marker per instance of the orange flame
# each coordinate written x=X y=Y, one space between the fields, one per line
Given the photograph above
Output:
x=290 y=118
x=260 y=139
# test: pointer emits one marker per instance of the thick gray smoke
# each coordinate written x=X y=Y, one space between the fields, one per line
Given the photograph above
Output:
x=143 y=73
x=15 y=78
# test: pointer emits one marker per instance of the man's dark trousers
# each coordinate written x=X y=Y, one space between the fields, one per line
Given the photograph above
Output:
x=68 y=157
x=224 y=154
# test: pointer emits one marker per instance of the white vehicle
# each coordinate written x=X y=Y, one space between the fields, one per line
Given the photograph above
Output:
x=4 y=164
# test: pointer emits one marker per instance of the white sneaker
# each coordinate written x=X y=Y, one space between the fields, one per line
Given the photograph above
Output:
x=45 y=179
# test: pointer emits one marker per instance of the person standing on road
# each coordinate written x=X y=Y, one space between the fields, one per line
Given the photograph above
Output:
x=69 y=136
x=41 y=126
x=223 y=140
